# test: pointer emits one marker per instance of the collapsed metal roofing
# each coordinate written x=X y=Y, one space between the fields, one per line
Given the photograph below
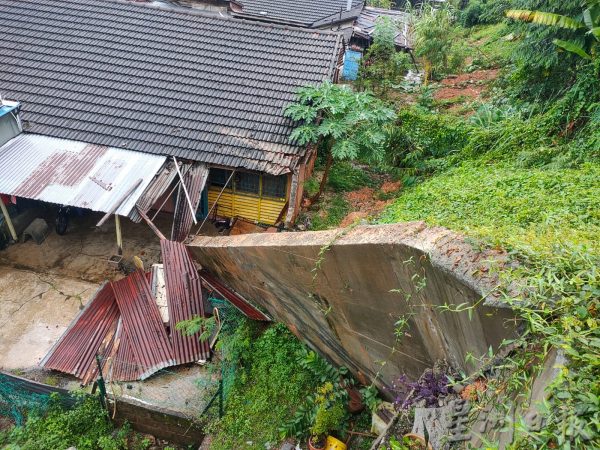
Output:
x=122 y=324
x=305 y=13
x=366 y=22
x=74 y=173
x=168 y=82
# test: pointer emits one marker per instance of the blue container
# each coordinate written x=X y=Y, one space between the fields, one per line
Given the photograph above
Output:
x=351 y=63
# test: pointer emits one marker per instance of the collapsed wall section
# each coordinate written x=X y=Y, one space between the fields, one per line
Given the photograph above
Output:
x=372 y=298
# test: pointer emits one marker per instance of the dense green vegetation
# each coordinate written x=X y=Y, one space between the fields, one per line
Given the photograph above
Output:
x=85 y=426
x=515 y=168
x=281 y=389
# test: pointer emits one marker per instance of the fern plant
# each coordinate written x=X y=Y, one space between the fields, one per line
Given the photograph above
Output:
x=588 y=22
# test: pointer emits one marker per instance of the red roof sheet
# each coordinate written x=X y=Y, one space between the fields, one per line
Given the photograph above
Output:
x=123 y=325
x=142 y=324
x=92 y=326
x=184 y=297
x=234 y=298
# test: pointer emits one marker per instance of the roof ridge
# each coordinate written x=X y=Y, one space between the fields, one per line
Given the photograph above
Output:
x=193 y=12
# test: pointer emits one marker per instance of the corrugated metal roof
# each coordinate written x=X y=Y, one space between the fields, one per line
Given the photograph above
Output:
x=234 y=298
x=143 y=325
x=91 y=327
x=195 y=180
x=75 y=173
x=366 y=22
x=184 y=295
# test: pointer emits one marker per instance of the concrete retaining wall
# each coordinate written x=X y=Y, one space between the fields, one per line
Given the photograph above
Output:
x=344 y=291
x=163 y=424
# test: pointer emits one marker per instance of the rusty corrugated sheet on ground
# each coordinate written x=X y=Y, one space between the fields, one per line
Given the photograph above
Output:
x=91 y=327
x=122 y=324
x=184 y=296
x=142 y=324
x=195 y=180
x=235 y=299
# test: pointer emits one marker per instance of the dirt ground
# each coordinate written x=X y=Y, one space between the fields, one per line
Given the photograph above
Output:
x=467 y=85
x=35 y=309
x=83 y=252
x=366 y=202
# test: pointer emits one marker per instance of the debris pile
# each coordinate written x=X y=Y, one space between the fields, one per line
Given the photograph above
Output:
x=123 y=326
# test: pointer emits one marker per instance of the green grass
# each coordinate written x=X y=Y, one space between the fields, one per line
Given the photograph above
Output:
x=550 y=221
x=335 y=209
x=488 y=45
x=345 y=177
x=265 y=396
x=527 y=209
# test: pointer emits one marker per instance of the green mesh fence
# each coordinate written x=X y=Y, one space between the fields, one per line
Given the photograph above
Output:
x=19 y=397
x=231 y=319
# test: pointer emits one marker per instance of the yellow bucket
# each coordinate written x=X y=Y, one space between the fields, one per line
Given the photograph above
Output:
x=334 y=444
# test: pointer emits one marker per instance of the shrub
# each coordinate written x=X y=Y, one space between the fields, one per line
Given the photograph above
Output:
x=382 y=67
x=266 y=396
x=85 y=426
x=438 y=43
x=345 y=177
x=335 y=209
x=420 y=141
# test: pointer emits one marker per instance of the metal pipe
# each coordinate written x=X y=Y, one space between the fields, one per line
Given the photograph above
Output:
x=9 y=223
x=185 y=191
x=214 y=203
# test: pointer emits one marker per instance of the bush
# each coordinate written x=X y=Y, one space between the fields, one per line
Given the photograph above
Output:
x=85 y=426
x=420 y=141
x=438 y=42
x=266 y=396
x=482 y=12
x=334 y=209
x=471 y=15
x=382 y=67
x=345 y=177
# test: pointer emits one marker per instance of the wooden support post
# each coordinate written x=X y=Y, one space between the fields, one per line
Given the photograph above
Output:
x=151 y=225
x=9 y=223
x=119 y=236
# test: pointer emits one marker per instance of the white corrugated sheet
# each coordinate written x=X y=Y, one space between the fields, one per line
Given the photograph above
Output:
x=75 y=173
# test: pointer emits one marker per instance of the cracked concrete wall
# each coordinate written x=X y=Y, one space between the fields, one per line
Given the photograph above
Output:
x=343 y=292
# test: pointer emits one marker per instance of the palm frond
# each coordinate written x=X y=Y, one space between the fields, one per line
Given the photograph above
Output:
x=545 y=18
x=572 y=47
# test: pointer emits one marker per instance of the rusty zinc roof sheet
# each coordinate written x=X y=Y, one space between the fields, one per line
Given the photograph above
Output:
x=234 y=298
x=74 y=173
x=184 y=296
x=92 y=326
x=123 y=325
x=142 y=324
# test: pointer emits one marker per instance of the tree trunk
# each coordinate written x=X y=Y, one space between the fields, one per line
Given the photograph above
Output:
x=315 y=198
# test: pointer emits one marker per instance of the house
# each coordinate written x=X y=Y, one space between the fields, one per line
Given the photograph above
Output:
x=205 y=93
x=318 y=14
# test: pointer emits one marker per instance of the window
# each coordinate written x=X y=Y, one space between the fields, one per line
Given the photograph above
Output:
x=218 y=177
x=274 y=186
x=247 y=182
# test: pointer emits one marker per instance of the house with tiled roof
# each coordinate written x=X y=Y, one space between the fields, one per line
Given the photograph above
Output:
x=305 y=13
x=189 y=87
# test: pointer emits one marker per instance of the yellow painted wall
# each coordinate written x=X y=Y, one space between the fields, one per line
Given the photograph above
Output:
x=251 y=207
